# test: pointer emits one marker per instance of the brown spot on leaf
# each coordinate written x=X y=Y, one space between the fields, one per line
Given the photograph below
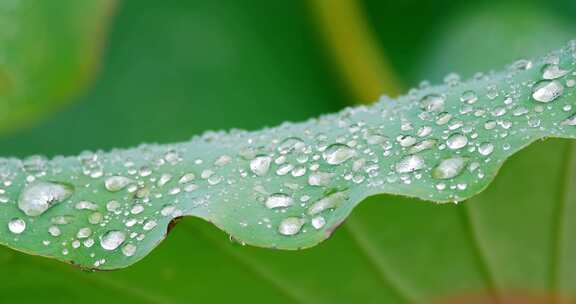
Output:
x=173 y=223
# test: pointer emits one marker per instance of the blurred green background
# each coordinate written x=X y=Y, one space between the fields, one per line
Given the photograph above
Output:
x=175 y=68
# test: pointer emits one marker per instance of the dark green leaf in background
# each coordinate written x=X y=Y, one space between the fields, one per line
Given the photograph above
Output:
x=48 y=52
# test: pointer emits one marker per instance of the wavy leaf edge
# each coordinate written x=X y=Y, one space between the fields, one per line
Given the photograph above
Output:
x=291 y=186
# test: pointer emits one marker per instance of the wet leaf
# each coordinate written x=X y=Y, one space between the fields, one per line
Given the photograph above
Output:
x=287 y=187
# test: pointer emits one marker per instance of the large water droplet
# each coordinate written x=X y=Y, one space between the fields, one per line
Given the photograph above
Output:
x=116 y=183
x=149 y=225
x=16 y=225
x=547 y=91
x=129 y=250
x=279 y=200
x=409 y=164
x=432 y=103
x=486 y=148
x=449 y=168
x=456 y=141
x=260 y=165
x=54 y=231
x=86 y=205
x=37 y=197
x=331 y=201
x=421 y=146
x=406 y=140
x=84 y=233
x=291 y=226
x=112 y=239
x=553 y=71
x=337 y=154
x=570 y=121
x=469 y=97
x=186 y=178
x=374 y=138
x=318 y=222
x=289 y=144
x=320 y=178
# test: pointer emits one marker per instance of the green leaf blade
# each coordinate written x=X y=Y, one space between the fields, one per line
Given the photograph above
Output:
x=291 y=186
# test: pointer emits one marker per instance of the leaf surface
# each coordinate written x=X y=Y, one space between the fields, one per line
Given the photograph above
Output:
x=287 y=187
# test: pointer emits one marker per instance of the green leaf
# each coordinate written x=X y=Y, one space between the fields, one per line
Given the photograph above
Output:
x=287 y=187
x=48 y=53
x=450 y=49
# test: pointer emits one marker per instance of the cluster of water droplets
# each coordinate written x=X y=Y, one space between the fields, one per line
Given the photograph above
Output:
x=439 y=143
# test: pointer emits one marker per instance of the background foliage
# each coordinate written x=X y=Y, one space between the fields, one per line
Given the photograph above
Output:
x=176 y=68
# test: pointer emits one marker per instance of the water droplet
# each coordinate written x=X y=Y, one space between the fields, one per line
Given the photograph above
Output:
x=164 y=179
x=469 y=97
x=547 y=91
x=443 y=118
x=410 y=164
x=406 y=140
x=149 y=225
x=457 y=141
x=331 y=201
x=298 y=171
x=16 y=225
x=88 y=242
x=422 y=146
x=62 y=219
x=424 y=131
x=145 y=171
x=129 y=250
x=320 y=178
x=337 y=154
x=137 y=209
x=284 y=169
x=116 y=183
x=291 y=226
x=38 y=197
x=318 y=222
x=489 y=125
x=172 y=157
x=449 y=168
x=279 y=200
x=54 y=231
x=492 y=93
x=486 y=148
x=289 y=144
x=374 y=138
x=223 y=161
x=570 y=121
x=522 y=64
x=84 y=233
x=112 y=239
x=452 y=79
x=112 y=205
x=552 y=71
x=167 y=210
x=186 y=178
x=86 y=205
x=432 y=103
x=260 y=165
